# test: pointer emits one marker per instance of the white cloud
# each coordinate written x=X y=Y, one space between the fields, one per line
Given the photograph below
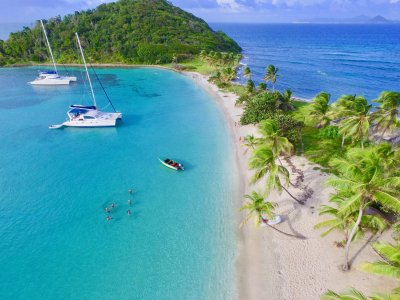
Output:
x=230 y=4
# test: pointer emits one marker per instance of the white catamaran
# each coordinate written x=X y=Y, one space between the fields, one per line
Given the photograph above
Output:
x=51 y=77
x=88 y=116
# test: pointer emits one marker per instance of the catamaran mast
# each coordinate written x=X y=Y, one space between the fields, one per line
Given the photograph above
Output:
x=48 y=46
x=87 y=72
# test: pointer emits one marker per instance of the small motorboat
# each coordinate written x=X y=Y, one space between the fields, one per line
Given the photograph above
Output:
x=169 y=163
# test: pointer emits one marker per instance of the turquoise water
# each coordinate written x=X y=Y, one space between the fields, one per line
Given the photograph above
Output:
x=55 y=184
x=336 y=58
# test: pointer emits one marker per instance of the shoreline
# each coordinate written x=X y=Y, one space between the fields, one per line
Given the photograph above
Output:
x=254 y=267
x=127 y=66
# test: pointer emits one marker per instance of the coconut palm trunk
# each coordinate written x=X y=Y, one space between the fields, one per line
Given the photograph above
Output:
x=265 y=221
x=343 y=138
x=293 y=197
x=346 y=266
x=384 y=132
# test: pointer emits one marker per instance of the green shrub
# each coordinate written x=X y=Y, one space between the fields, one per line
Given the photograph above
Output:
x=260 y=107
x=288 y=127
x=329 y=132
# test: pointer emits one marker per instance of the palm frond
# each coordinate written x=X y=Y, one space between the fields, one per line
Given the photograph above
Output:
x=353 y=294
x=381 y=268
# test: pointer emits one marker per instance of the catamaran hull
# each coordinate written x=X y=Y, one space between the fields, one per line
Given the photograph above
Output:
x=86 y=124
x=50 y=82
x=70 y=78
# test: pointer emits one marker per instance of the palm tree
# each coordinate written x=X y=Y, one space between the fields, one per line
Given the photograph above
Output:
x=203 y=54
x=390 y=157
x=357 y=124
x=271 y=74
x=250 y=141
x=247 y=73
x=320 y=109
x=354 y=110
x=390 y=265
x=343 y=223
x=262 y=86
x=258 y=208
x=210 y=57
x=228 y=74
x=225 y=59
x=387 y=115
x=217 y=58
x=250 y=86
x=263 y=161
x=270 y=136
x=285 y=100
x=364 y=180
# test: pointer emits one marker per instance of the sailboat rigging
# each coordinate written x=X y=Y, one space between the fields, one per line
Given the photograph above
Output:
x=88 y=116
x=51 y=77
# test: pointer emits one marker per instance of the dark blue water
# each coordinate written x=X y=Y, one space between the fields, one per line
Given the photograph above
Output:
x=339 y=59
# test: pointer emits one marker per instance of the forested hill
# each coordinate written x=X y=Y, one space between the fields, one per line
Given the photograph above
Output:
x=127 y=31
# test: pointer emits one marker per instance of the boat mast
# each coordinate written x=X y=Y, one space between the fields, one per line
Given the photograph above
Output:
x=87 y=72
x=48 y=45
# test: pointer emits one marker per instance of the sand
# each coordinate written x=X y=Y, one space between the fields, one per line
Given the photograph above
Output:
x=273 y=266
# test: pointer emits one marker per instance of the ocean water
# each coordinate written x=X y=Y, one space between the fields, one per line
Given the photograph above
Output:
x=339 y=59
x=179 y=243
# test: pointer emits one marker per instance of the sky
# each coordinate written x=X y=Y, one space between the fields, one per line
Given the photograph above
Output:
x=214 y=11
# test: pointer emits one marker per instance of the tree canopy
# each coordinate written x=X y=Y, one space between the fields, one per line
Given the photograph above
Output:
x=127 y=31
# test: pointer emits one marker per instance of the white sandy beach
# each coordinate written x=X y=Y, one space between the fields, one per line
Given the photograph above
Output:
x=273 y=266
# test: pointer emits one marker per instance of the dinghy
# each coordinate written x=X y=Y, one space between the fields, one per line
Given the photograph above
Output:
x=171 y=164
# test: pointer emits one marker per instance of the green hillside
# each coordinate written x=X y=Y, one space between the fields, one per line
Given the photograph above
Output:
x=127 y=31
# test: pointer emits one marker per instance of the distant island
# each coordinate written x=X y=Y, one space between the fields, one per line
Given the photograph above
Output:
x=127 y=31
x=362 y=19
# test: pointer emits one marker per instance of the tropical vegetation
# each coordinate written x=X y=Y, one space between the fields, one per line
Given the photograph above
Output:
x=341 y=137
x=127 y=31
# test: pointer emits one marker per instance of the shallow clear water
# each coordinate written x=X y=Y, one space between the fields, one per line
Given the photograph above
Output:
x=55 y=184
x=339 y=59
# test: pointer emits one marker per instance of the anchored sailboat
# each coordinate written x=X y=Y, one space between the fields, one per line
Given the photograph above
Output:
x=51 y=77
x=88 y=116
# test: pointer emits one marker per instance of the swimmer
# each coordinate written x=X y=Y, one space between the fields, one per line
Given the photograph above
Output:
x=112 y=205
x=107 y=209
x=130 y=191
x=129 y=202
x=129 y=212
x=109 y=218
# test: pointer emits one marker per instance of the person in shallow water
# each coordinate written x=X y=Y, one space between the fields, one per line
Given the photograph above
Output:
x=112 y=205
x=107 y=209
x=109 y=218
x=130 y=191
x=129 y=202
x=129 y=212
